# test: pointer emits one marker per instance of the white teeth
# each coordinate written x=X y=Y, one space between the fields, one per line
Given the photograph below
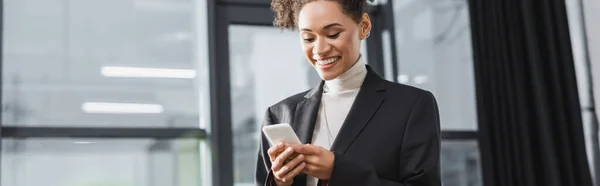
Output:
x=327 y=61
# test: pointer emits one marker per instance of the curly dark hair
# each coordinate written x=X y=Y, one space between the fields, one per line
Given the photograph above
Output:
x=286 y=11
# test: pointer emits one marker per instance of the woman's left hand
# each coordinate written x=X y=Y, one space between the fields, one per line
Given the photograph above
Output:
x=319 y=161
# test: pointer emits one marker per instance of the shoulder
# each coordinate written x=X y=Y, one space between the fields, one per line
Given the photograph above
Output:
x=415 y=102
x=407 y=91
x=408 y=96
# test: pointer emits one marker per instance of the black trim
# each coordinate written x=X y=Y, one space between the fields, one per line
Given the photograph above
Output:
x=69 y=132
x=375 y=43
x=221 y=129
x=389 y=24
x=239 y=15
x=459 y=135
x=382 y=19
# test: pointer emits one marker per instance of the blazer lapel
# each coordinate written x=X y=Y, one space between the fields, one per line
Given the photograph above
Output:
x=306 y=113
x=305 y=117
x=368 y=100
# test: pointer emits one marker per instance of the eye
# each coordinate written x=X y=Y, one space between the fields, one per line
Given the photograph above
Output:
x=308 y=40
x=333 y=36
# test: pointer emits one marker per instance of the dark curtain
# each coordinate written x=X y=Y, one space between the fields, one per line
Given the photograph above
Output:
x=529 y=112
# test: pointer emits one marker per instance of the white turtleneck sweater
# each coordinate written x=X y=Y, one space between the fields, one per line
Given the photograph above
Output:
x=338 y=97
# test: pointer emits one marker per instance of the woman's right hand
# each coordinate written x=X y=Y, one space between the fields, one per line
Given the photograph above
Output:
x=284 y=171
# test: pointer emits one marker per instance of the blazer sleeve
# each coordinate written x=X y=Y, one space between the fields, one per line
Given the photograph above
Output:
x=420 y=153
x=263 y=174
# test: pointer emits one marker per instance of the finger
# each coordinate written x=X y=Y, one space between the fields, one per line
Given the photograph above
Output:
x=285 y=155
x=294 y=155
x=305 y=149
x=275 y=148
x=274 y=151
x=291 y=164
x=309 y=169
x=290 y=175
x=312 y=159
x=279 y=161
x=290 y=157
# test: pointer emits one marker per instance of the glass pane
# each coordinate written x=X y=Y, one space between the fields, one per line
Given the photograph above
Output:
x=265 y=62
x=461 y=165
x=95 y=162
x=104 y=63
x=433 y=40
x=587 y=116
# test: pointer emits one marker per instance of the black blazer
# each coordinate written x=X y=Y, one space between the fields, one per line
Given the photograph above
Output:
x=391 y=136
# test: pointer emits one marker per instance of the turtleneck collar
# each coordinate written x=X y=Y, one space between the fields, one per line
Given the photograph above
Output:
x=349 y=80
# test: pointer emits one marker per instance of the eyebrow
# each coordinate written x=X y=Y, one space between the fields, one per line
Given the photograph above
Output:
x=325 y=27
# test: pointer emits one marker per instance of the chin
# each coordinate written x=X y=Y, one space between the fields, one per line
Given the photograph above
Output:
x=328 y=75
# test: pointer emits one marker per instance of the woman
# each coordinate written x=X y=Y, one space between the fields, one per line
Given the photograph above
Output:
x=357 y=128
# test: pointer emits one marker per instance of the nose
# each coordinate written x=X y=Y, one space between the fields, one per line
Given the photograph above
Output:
x=321 y=47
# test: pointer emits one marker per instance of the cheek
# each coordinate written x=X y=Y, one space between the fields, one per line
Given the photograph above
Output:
x=344 y=45
x=307 y=51
x=350 y=41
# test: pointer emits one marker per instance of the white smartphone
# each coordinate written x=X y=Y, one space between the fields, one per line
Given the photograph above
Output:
x=282 y=132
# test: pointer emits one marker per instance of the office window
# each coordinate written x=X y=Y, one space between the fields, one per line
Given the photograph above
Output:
x=104 y=63
x=460 y=163
x=88 y=162
x=434 y=52
x=69 y=65
x=266 y=66
x=433 y=45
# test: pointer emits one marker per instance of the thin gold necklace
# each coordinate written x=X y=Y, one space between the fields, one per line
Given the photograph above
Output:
x=330 y=136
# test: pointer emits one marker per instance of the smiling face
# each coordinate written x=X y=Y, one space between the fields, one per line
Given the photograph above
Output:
x=330 y=38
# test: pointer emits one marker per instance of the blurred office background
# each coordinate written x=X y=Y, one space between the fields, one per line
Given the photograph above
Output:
x=124 y=92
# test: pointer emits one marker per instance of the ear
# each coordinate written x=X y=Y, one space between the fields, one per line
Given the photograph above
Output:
x=364 y=26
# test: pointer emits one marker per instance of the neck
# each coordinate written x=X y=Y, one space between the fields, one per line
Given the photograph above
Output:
x=349 y=80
